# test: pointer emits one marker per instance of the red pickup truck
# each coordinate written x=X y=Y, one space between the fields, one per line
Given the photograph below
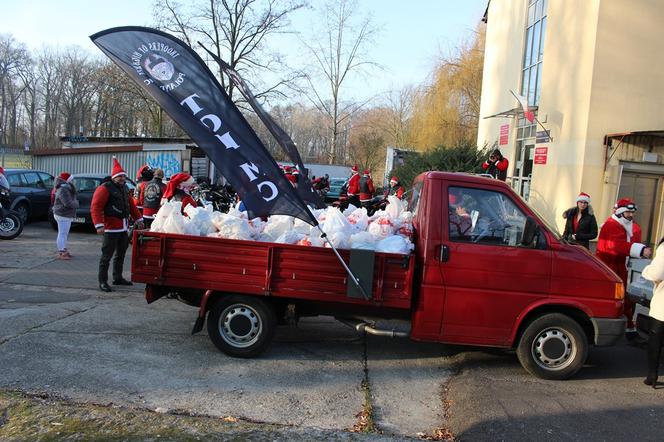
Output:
x=486 y=271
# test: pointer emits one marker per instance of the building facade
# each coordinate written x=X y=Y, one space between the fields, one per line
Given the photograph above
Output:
x=592 y=75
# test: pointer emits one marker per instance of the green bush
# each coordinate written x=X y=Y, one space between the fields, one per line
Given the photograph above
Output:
x=464 y=157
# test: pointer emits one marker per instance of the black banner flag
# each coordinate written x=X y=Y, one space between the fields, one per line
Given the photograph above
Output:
x=304 y=188
x=178 y=79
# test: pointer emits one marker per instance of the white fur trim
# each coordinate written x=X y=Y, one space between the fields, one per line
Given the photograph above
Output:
x=636 y=249
x=119 y=174
x=583 y=198
x=620 y=210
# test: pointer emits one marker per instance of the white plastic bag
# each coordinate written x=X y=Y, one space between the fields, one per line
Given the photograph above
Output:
x=162 y=215
x=363 y=240
x=395 y=244
x=359 y=219
x=201 y=218
x=335 y=222
x=381 y=227
x=301 y=227
x=277 y=225
x=289 y=237
x=231 y=227
x=340 y=240
x=394 y=207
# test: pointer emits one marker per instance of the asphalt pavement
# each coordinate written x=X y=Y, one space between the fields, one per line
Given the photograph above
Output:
x=61 y=336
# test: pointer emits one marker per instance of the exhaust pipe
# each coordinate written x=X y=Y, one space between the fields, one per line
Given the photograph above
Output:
x=370 y=329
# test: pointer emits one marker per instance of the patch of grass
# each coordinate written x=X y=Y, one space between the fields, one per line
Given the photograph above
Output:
x=365 y=418
x=40 y=418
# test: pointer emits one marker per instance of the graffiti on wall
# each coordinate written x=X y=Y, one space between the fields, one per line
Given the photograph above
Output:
x=169 y=162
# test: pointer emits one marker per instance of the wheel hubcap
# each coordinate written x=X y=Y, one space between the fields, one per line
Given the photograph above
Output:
x=240 y=325
x=7 y=225
x=554 y=349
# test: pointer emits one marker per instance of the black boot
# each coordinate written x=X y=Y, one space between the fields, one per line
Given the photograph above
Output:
x=655 y=336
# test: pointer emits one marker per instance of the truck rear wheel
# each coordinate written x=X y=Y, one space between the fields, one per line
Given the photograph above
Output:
x=241 y=326
x=553 y=346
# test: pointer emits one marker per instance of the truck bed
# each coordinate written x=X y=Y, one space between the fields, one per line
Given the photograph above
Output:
x=266 y=269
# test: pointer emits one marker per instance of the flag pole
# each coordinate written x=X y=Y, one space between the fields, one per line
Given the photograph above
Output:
x=524 y=106
x=355 y=279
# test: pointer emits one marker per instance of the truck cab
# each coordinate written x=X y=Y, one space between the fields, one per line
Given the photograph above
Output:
x=493 y=273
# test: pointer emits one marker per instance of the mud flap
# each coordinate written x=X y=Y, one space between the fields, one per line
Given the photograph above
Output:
x=362 y=266
x=198 y=325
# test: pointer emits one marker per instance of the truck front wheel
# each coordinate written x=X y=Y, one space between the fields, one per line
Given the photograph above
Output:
x=241 y=326
x=553 y=346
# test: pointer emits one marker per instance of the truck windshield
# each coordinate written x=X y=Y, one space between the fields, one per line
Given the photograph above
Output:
x=550 y=227
x=414 y=200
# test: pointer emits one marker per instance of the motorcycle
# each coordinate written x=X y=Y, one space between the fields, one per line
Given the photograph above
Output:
x=221 y=198
x=11 y=224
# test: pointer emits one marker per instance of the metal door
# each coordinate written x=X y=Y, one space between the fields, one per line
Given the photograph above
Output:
x=642 y=189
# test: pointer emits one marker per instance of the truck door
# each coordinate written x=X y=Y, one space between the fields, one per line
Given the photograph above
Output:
x=489 y=277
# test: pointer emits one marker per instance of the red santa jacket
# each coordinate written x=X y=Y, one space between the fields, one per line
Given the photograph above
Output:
x=354 y=184
x=366 y=188
x=101 y=206
x=615 y=245
x=139 y=198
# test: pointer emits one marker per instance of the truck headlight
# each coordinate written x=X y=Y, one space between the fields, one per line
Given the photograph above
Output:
x=619 y=291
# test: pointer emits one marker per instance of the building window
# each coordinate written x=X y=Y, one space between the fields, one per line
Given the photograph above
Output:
x=531 y=73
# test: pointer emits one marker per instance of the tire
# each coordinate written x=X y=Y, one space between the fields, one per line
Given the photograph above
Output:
x=23 y=212
x=241 y=326
x=553 y=346
x=10 y=226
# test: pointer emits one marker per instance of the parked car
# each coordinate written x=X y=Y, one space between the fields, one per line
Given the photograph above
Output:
x=85 y=186
x=336 y=184
x=30 y=192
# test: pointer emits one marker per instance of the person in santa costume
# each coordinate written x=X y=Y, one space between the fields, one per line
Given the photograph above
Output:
x=178 y=189
x=366 y=188
x=395 y=189
x=620 y=238
x=111 y=208
x=144 y=175
x=353 y=191
x=581 y=225
x=496 y=165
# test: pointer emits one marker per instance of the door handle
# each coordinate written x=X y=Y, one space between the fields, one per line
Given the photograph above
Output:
x=444 y=253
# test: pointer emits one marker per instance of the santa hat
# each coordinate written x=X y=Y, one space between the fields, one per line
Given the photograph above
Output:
x=141 y=171
x=583 y=197
x=394 y=180
x=296 y=171
x=178 y=180
x=354 y=169
x=66 y=176
x=117 y=169
x=288 y=169
x=366 y=172
x=624 y=205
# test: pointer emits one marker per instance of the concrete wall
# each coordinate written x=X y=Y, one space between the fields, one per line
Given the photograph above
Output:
x=568 y=66
x=627 y=87
x=502 y=71
x=602 y=73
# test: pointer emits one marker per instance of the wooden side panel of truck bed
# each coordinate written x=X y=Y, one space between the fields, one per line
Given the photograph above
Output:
x=250 y=267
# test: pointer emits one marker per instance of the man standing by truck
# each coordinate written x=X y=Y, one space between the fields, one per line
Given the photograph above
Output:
x=619 y=239
x=353 y=191
x=366 y=188
x=111 y=209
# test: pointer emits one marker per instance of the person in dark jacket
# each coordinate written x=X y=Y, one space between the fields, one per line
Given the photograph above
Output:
x=496 y=165
x=366 y=188
x=64 y=210
x=581 y=225
x=111 y=208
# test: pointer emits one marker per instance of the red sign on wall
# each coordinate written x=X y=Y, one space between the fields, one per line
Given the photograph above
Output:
x=540 y=155
x=504 y=134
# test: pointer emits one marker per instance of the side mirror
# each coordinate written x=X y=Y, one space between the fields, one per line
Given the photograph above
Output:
x=530 y=230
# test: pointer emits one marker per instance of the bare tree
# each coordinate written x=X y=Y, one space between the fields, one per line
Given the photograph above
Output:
x=338 y=52
x=236 y=31
x=13 y=58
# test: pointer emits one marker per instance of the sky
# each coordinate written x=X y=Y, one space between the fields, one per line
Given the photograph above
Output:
x=412 y=34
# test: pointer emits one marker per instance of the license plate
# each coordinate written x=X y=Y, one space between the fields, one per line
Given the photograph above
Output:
x=79 y=220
